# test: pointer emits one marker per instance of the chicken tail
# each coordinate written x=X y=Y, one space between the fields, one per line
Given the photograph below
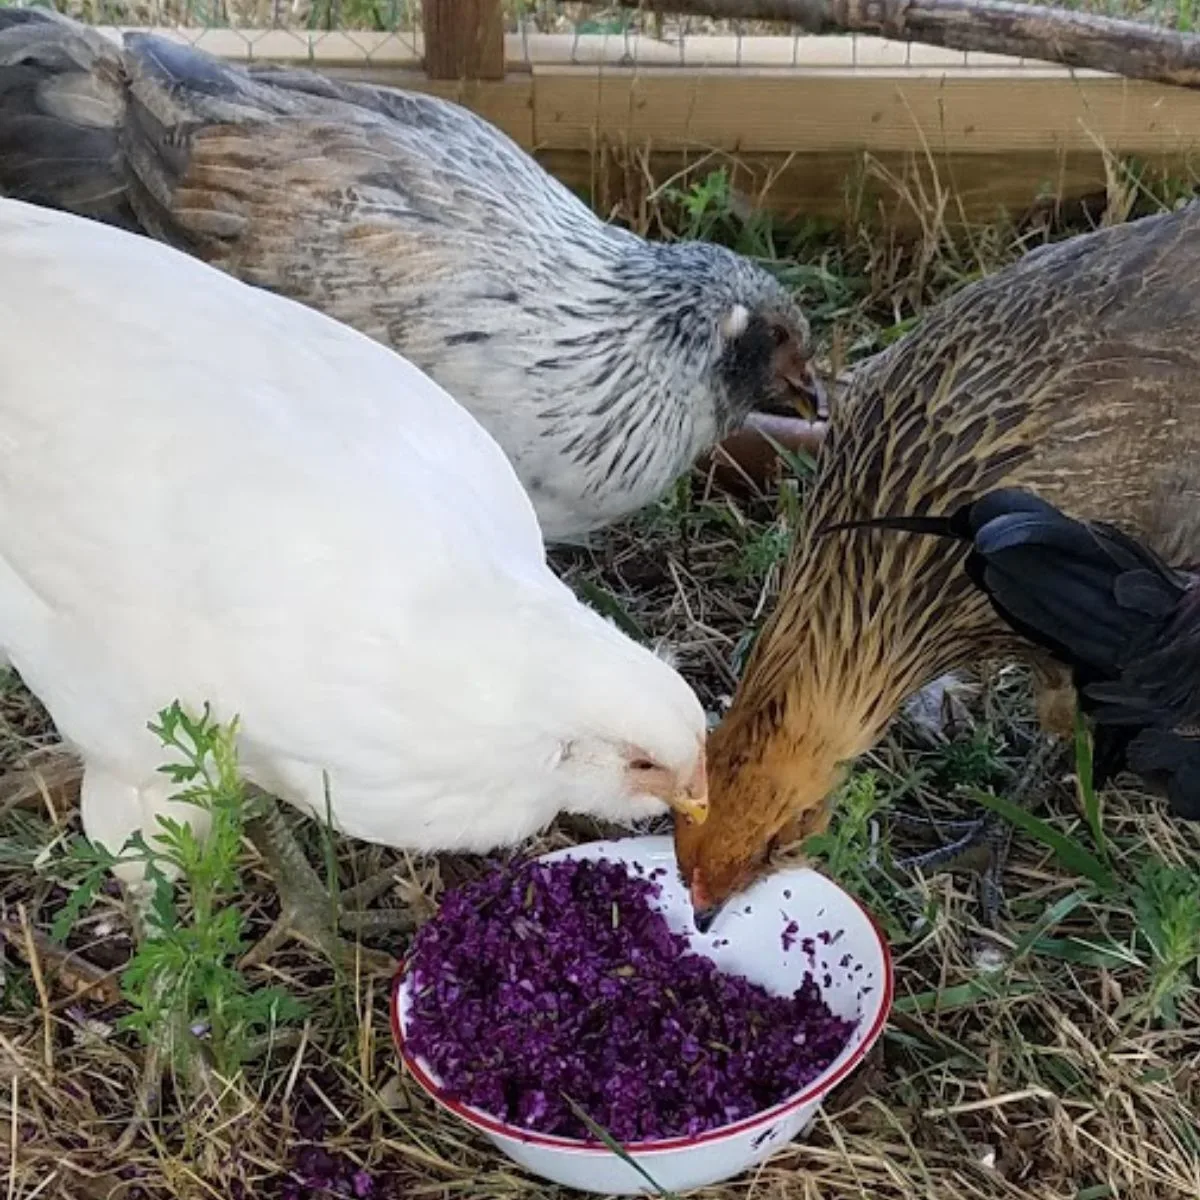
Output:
x=104 y=130
x=1127 y=624
x=62 y=105
x=1088 y=593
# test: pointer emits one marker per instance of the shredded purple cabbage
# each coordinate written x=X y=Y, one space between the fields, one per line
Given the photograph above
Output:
x=319 y=1173
x=551 y=981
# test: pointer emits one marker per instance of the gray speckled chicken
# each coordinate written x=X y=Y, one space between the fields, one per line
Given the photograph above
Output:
x=603 y=364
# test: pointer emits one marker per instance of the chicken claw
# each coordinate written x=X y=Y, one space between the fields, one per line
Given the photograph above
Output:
x=988 y=832
x=308 y=911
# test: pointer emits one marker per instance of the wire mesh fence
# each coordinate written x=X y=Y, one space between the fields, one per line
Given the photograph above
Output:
x=542 y=31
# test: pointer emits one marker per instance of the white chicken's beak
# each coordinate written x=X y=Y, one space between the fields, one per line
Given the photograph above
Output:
x=691 y=800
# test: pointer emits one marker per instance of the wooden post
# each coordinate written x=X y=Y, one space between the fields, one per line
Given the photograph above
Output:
x=464 y=39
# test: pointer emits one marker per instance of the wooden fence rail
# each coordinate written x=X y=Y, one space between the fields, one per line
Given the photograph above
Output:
x=796 y=129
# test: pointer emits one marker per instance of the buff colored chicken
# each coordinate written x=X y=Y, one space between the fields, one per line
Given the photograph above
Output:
x=1074 y=375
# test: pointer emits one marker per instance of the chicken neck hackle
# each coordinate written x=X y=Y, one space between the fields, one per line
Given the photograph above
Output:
x=1075 y=374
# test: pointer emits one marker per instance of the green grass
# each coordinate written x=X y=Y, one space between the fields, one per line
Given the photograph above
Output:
x=1051 y=1060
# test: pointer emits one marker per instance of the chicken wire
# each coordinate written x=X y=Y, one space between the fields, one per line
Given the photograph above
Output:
x=537 y=31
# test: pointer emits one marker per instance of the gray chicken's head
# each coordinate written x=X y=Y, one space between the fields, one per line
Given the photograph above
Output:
x=751 y=331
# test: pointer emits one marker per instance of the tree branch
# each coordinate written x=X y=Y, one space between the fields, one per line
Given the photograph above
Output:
x=1071 y=39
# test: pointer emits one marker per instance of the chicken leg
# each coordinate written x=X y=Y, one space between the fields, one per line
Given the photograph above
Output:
x=309 y=913
x=988 y=832
x=1055 y=697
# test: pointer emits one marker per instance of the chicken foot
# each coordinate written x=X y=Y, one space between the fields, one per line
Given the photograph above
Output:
x=57 y=772
x=309 y=913
x=989 y=833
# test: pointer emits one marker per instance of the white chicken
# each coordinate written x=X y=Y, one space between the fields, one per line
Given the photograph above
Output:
x=212 y=493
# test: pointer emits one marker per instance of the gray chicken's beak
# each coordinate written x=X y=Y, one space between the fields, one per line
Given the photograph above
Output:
x=812 y=392
x=798 y=387
x=802 y=391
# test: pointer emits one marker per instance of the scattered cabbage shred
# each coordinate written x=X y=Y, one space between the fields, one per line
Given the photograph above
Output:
x=552 y=983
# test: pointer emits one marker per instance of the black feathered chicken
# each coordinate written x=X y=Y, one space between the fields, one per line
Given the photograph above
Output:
x=1104 y=605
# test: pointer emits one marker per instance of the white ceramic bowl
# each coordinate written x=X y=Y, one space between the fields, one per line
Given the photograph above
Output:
x=854 y=973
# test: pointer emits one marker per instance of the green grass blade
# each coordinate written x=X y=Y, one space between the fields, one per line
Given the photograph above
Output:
x=605 y=603
x=1054 y=915
x=1087 y=954
x=1068 y=851
x=612 y=1144
x=799 y=462
x=962 y=995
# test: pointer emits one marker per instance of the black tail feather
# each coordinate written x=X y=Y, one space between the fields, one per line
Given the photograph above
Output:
x=1104 y=605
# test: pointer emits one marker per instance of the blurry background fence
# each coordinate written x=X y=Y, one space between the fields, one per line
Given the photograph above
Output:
x=616 y=101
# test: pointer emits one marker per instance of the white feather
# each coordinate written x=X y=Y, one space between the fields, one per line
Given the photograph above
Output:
x=211 y=493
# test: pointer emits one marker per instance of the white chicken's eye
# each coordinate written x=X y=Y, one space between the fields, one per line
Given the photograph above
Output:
x=642 y=764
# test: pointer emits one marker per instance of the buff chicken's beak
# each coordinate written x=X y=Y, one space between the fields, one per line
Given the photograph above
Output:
x=704 y=911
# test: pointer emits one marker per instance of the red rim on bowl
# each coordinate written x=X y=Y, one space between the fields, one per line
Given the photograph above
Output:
x=819 y=1086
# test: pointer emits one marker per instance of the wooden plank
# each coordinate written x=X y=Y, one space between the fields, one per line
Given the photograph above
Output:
x=406 y=49
x=798 y=111
x=992 y=135
x=464 y=39
x=507 y=103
